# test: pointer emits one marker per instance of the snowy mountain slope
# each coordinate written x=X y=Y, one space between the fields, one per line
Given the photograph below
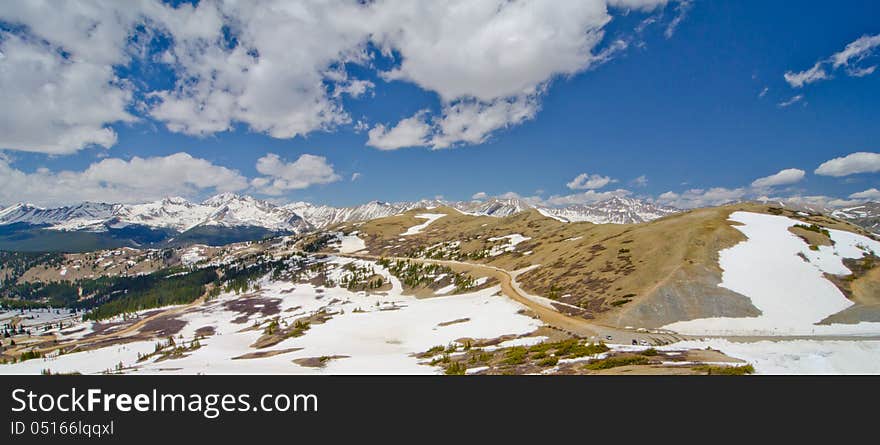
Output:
x=173 y=212
x=615 y=210
x=492 y=207
x=69 y=218
x=866 y=215
x=229 y=210
x=321 y=216
x=225 y=210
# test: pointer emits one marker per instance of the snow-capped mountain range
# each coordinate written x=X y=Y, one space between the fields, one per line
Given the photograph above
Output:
x=230 y=210
x=616 y=210
x=866 y=215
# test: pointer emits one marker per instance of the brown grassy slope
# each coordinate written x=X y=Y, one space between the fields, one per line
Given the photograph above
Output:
x=642 y=275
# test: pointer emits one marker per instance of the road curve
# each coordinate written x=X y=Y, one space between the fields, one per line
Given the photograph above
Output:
x=571 y=324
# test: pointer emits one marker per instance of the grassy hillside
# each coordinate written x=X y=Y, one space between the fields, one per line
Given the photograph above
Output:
x=644 y=275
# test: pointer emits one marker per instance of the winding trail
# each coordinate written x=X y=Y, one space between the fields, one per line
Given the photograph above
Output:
x=571 y=324
x=588 y=329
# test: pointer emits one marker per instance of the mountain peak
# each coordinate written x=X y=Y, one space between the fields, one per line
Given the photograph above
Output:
x=176 y=200
x=224 y=198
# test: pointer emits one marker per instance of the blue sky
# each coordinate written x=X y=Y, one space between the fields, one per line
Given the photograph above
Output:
x=689 y=109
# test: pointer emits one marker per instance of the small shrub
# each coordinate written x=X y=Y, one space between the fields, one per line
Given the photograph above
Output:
x=726 y=370
x=614 y=362
x=549 y=361
x=455 y=368
x=516 y=355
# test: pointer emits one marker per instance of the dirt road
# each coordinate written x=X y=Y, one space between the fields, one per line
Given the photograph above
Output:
x=573 y=325
x=587 y=328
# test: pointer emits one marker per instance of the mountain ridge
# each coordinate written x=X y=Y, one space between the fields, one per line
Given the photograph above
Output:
x=231 y=210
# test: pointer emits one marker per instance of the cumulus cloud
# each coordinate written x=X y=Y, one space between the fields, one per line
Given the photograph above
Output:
x=814 y=201
x=702 y=197
x=282 y=68
x=784 y=177
x=480 y=195
x=409 y=132
x=53 y=104
x=471 y=122
x=465 y=122
x=850 y=59
x=853 y=163
x=871 y=194
x=118 y=180
x=586 y=181
x=587 y=197
x=281 y=176
x=641 y=181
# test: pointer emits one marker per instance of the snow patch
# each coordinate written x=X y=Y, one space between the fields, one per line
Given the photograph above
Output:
x=792 y=294
x=431 y=217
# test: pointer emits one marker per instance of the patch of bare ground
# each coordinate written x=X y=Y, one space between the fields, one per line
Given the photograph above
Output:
x=163 y=326
x=317 y=362
x=277 y=330
x=811 y=235
x=251 y=304
x=264 y=354
x=206 y=331
x=862 y=287
x=452 y=322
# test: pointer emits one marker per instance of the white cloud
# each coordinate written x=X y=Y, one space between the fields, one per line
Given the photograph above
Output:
x=795 y=99
x=355 y=176
x=849 y=59
x=409 y=132
x=281 y=176
x=587 y=197
x=701 y=198
x=862 y=72
x=799 y=79
x=644 y=5
x=275 y=80
x=764 y=92
x=480 y=195
x=682 y=10
x=469 y=122
x=872 y=194
x=641 y=181
x=783 y=177
x=53 y=104
x=860 y=162
x=118 y=180
x=815 y=201
x=586 y=181
x=490 y=49
x=856 y=51
x=284 y=71
x=472 y=122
